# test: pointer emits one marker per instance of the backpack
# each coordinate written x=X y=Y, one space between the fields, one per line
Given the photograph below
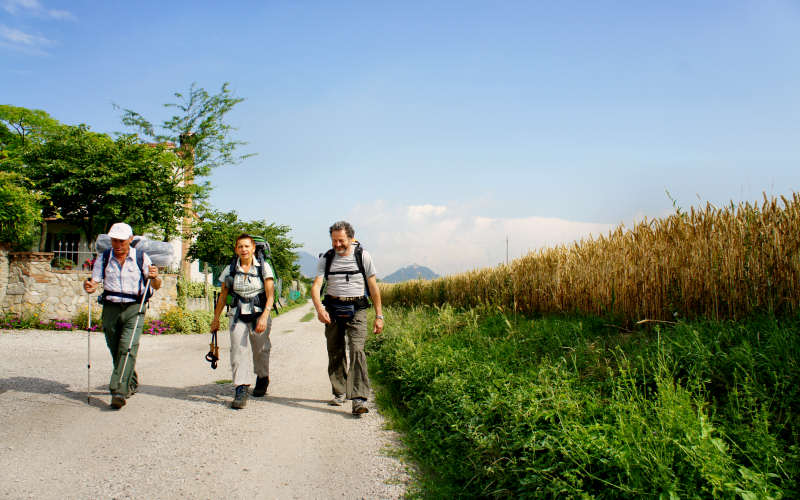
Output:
x=140 y=263
x=264 y=256
x=359 y=254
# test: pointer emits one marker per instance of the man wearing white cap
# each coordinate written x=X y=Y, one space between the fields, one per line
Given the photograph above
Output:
x=124 y=280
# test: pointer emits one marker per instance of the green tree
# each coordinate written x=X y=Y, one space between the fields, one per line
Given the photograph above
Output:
x=201 y=122
x=204 y=142
x=19 y=127
x=20 y=212
x=94 y=180
x=218 y=231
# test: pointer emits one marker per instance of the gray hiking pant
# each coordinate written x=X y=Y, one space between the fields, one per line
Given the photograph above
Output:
x=353 y=382
x=249 y=351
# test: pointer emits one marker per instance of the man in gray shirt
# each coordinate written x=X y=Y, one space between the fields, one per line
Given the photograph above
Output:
x=344 y=313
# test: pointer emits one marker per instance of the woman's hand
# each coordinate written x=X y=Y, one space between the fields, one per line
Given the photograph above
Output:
x=261 y=324
x=214 y=325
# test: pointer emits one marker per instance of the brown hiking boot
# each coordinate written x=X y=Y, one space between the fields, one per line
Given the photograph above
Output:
x=117 y=401
x=359 y=406
x=261 y=387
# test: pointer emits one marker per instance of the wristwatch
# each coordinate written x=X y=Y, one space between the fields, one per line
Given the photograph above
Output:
x=379 y=316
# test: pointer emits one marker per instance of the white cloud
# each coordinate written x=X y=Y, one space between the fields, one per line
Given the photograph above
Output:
x=449 y=239
x=18 y=37
x=61 y=14
x=35 y=8
x=14 y=6
x=23 y=42
x=417 y=212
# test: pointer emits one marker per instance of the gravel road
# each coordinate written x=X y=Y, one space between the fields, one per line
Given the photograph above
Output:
x=177 y=437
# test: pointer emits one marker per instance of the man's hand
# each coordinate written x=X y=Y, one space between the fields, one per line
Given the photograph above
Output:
x=90 y=286
x=378 y=326
x=261 y=324
x=152 y=272
x=214 y=325
x=323 y=316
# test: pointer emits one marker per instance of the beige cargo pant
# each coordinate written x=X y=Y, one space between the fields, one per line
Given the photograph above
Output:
x=352 y=381
x=249 y=351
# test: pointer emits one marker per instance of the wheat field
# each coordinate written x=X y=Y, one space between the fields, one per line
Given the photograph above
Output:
x=720 y=263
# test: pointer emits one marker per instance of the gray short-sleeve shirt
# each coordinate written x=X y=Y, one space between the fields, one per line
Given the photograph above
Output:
x=338 y=284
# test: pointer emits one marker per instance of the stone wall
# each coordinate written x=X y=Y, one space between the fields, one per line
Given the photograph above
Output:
x=4 y=247
x=28 y=284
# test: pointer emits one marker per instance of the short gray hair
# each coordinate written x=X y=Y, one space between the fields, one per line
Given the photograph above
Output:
x=343 y=225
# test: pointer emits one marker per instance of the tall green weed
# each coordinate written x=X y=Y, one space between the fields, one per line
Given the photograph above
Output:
x=499 y=406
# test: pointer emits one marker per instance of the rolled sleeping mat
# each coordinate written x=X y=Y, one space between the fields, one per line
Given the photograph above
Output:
x=160 y=252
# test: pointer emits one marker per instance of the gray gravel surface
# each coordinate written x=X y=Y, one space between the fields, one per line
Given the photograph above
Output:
x=177 y=437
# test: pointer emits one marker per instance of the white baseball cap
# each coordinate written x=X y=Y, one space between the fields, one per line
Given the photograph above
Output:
x=120 y=231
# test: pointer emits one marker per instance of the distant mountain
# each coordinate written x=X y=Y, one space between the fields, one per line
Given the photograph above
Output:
x=308 y=264
x=411 y=272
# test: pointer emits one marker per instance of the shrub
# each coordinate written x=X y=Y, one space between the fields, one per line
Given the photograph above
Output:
x=187 y=322
x=81 y=319
x=25 y=320
x=156 y=327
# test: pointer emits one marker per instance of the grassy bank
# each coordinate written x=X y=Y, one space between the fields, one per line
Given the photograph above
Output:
x=500 y=406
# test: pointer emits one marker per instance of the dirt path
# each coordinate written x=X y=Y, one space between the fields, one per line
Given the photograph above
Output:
x=177 y=437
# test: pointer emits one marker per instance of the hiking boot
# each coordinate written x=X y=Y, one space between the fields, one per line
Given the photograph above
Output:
x=261 y=387
x=240 y=399
x=117 y=401
x=338 y=400
x=359 y=406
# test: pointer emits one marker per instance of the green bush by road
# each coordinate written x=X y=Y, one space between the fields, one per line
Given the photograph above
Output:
x=571 y=407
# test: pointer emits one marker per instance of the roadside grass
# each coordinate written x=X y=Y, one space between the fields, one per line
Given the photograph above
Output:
x=289 y=305
x=492 y=405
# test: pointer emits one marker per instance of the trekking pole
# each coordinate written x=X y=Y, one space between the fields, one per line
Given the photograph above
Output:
x=89 y=352
x=213 y=352
x=135 y=326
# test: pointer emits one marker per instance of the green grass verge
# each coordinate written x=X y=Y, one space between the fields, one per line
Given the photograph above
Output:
x=494 y=406
x=293 y=305
x=309 y=316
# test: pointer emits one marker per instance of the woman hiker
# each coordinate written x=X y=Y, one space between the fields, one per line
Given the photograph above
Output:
x=251 y=286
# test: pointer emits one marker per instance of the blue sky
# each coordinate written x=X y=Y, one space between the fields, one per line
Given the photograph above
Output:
x=440 y=128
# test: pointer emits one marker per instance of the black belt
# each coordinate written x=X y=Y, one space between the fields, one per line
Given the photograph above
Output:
x=346 y=299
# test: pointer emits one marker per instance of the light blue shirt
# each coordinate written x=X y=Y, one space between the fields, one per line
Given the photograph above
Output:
x=125 y=278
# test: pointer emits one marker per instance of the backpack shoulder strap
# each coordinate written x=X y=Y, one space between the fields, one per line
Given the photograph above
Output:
x=104 y=262
x=232 y=270
x=359 y=253
x=140 y=261
x=328 y=261
x=261 y=264
x=142 y=275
